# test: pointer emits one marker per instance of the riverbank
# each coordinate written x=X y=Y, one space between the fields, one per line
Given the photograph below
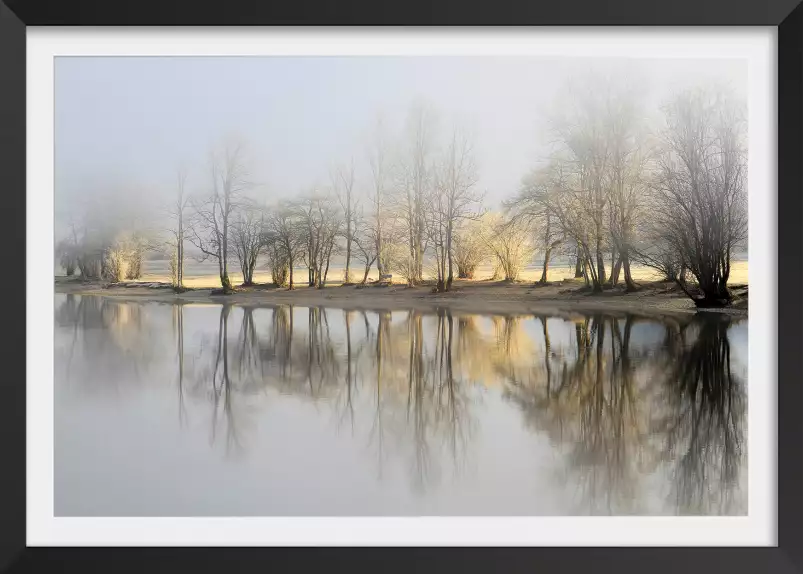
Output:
x=482 y=296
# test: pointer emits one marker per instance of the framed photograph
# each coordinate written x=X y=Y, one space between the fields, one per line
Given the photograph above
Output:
x=479 y=281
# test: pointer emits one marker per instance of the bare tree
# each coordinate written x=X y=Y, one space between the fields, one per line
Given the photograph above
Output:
x=626 y=180
x=375 y=225
x=654 y=251
x=331 y=226
x=343 y=185
x=213 y=213
x=509 y=239
x=115 y=262
x=415 y=179
x=400 y=261
x=436 y=228
x=532 y=204
x=470 y=248
x=457 y=181
x=699 y=200
x=93 y=233
x=67 y=254
x=365 y=246
x=584 y=159
x=578 y=217
x=277 y=260
x=177 y=212
x=282 y=232
x=310 y=230
x=136 y=254
x=247 y=237
x=321 y=224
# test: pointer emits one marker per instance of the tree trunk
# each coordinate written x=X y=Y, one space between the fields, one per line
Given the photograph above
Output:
x=614 y=263
x=600 y=268
x=224 y=279
x=180 y=251
x=290 y=287
x=248 y=272
x=379 y=266
x=450 y=277
x=715 y=294
x=713 y=300
x=322 y=278
x=593 y=272
x=579 y=264
x=419 y=266
x=615 y=271
x=220 y=271
x=365 y=275
x=180 y=270
x=347 y=274
x=630 y=285
x=545 y=269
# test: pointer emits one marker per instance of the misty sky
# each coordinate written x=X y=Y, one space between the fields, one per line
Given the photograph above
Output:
x=124 y=124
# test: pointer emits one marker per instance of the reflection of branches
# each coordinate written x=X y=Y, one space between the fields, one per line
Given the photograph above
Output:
x=322 y=364
x=112 y=333
x=248 y=360
x=67 y=315
x=704 y=426
x=222 y=388
x=415 y=400
x=377 y=432
x=599 y=411
x=592 y=410
x=350 y=375
x=547 y=357
x=454 y=409
x=281 y=346
x=608 y=426
x=616 y=407
x=178 y=327
x=436 y=399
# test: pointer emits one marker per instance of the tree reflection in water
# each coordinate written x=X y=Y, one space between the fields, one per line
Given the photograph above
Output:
x=620 y=413
x=705 y=424
x=410 y=385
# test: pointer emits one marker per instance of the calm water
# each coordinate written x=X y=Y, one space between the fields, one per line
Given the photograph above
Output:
x=225 y=410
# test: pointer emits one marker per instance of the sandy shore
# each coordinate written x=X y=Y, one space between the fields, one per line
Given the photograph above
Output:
x=480 y=296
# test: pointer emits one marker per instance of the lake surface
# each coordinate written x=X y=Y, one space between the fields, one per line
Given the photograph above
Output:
x=191 y=410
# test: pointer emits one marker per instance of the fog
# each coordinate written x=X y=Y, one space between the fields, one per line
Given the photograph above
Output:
x=124 y=124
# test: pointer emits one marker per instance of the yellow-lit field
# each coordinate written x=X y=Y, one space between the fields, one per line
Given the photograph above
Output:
x=210 y=279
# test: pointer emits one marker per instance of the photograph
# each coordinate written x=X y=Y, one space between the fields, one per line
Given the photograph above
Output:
x=400 y=285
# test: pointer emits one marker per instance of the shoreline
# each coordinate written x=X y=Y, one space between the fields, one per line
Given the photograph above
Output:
x=473 y=296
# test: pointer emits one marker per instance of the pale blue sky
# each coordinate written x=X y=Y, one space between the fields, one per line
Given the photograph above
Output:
x=126 y=123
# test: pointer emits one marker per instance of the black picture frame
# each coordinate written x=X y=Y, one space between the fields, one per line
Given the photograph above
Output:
x=787 y=15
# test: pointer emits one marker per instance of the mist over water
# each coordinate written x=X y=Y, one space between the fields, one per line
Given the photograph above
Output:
x=167 y=409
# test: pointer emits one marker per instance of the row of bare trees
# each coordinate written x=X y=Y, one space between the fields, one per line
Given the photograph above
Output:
x=418 y=198
x=617 y=188
x=672 y=198
x=423 y=192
